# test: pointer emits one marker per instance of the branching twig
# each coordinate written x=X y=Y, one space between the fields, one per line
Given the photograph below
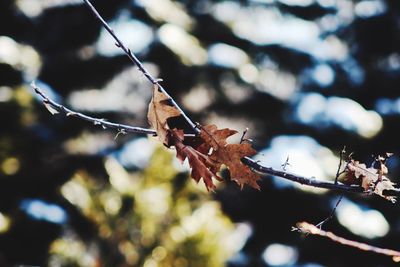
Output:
x=137 y=62
x=243 y=135
x=248 y=161
x=311 y=181
x=96 y=121
x=338 y=173
x=308 y=228
x=319 y=225
x=286 y=163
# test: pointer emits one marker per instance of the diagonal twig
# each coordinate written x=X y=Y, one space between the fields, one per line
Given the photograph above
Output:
x=308 y=228
x=338 y=173
x=139 y=64
x=243 y=135
x=320 y=224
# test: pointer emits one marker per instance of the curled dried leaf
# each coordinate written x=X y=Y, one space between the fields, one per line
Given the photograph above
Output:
x=202 y=166
x=371 y=179
x=206 y=153
x=160 y=111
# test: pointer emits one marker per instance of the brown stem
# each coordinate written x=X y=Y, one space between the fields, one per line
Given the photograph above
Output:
x=308 y=228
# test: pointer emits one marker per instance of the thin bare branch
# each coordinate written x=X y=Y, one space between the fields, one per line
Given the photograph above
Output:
x=338 y=173
x=96 y=121
x=319 y=225
x=285 y=164
x=121 y=128
x=300 y=179
x=243 y=135
x=139 y=64
x=311 y=181
x=308 y=228
x=342 y=152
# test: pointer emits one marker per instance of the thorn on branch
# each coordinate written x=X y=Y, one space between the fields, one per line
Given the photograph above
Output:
x=70 y=114
x=286 y=163
x=120 y=131
x=197 y=126
x=243 y=135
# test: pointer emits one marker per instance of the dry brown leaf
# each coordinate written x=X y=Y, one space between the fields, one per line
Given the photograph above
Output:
x=385 y=184
x=160 y=110
x=358 y=173
x=370 y=179
x=202 y=166
x=240 y=173
x=205 y=153
x=229 y=154
x=215 y=138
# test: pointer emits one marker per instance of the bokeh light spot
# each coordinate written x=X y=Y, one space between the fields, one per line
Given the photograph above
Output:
x=280 y=255
x=5 y=222
x=365 y=222
x=41 y=210
x=10 y=166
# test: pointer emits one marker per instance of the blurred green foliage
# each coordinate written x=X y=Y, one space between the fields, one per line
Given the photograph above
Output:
x=144 y=219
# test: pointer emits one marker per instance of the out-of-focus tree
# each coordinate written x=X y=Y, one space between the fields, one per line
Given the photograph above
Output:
x=152 y=218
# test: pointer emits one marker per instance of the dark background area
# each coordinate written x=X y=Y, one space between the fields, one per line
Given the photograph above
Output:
x=312 y=75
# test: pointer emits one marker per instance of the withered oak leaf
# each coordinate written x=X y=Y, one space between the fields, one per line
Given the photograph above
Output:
x=371 y=179
x=160 y=110
x=207 y=152
x=202 y=166
x=229 y=154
